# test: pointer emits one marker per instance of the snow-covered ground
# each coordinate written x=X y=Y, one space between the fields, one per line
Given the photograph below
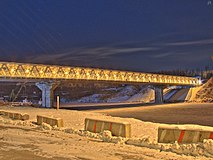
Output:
x=95 y=98
x=122 y=94
x=25 y=140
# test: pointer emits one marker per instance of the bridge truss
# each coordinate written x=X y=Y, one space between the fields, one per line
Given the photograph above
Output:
x=10 y=70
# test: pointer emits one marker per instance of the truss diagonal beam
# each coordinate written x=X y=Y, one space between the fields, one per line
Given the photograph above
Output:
x=40 y=71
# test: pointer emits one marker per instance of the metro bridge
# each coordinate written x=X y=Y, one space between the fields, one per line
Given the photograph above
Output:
x=48 y=76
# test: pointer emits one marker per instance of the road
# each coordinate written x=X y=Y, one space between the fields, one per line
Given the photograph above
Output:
x=178 y=113
x=180 y=95
x=94 y=106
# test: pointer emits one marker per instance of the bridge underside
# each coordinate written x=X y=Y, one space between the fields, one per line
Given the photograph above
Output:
x=28 y=80
x=47 y=89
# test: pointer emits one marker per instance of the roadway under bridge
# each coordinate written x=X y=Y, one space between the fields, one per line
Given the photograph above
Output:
x=47 y=78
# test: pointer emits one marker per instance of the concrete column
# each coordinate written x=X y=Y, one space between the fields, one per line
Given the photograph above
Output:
x=47 y=89
x=158 y=94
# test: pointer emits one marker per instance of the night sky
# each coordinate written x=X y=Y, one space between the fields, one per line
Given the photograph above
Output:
x=137 y=35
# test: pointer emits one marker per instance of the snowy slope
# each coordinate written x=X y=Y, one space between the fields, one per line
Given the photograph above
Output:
x=124 y=94
x=145 y=95
x=95 y=98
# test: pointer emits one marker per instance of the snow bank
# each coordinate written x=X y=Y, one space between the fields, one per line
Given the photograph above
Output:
x=194 y=149
x=203 y=93
x=16 y=122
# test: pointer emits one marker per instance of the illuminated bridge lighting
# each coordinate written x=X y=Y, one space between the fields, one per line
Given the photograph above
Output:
x=10 y=70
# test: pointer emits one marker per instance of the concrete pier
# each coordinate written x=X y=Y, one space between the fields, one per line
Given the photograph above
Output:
x=47 y=89
x=158 y=94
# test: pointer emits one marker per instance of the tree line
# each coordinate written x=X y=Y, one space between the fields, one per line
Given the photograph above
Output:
x=205 y=72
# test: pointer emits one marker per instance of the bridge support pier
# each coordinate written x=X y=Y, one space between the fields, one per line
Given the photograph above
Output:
x=158 y=94
x=47 y=89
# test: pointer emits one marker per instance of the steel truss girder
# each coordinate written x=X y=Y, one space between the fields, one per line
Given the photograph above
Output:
x=40 y=71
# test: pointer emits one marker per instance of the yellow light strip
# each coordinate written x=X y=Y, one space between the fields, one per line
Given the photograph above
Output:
x=40 y=71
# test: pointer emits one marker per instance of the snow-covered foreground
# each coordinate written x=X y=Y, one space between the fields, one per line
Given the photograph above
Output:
x=26 y=139
x=28 y=143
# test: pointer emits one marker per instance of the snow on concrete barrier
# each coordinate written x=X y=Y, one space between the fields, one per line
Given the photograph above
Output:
x=206 y=135
x=1 y=112
x=173 y=134
x=122 y=129
x=52 y=121
x=20 y=103
x=15 y=115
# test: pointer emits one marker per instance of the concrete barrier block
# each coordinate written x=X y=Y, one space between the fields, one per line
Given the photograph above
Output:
x=52 y=121
x=40 y=120
x=206 y=135
x=122 y=129
x=25 y=116
x=11 y=115
x=170 y=135
x=15 y=115
x=6 y=114
x=1 y=112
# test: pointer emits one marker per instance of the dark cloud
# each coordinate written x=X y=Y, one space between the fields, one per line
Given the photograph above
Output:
x=124 y=34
